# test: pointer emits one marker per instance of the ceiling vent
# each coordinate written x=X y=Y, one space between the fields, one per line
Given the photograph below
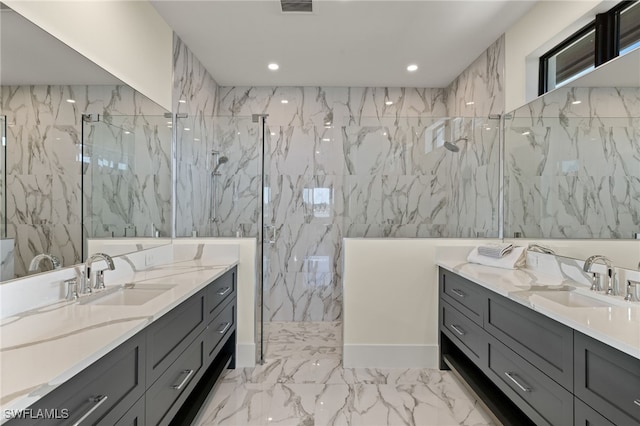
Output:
x=296 y=6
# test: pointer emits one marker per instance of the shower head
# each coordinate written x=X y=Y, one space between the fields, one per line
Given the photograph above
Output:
x=452 y=146
x=221 y=160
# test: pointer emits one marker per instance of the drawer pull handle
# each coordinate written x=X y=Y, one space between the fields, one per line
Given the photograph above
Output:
x=457 y=292
x=457 y=329
x=224 y=291
x=184 y=381
x=99 y=400
x=223 y=327
x=637 y=402
x=510 y=376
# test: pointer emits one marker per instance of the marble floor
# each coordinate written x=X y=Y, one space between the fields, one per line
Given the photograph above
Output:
x=303 y=383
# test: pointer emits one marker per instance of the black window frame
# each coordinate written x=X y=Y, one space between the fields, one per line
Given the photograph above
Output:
x=607 y=42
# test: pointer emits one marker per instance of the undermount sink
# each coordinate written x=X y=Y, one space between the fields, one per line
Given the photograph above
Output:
x=126 y=295
x=572 y=299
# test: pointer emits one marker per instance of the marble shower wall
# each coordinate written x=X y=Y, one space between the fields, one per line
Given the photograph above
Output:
x=44 y=170
x=194 y=94
x=479 y=90
x=573 y=169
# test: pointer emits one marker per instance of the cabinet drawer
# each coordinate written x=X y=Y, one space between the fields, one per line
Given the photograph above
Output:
x=587 y=416
x=101 y=393
x=221 y=326
x=542 y=399
x=466 y=296
x=608 y=380
x=166 y=395
x=465 y=333
x=543 y=342
x=170 y=335
x=220 y=290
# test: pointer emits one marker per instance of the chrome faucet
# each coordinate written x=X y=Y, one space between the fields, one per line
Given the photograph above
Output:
x=35 y=262
x=610 y=278
x=540 y=249
x=85 y=284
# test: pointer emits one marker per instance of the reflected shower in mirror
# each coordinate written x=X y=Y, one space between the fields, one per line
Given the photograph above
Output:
x=45 y=88
x=572 y=159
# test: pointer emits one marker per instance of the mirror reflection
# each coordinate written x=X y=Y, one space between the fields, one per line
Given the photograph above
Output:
x=572 y=159
x=107 y=171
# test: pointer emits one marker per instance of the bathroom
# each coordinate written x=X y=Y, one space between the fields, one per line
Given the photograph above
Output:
x=120 y=175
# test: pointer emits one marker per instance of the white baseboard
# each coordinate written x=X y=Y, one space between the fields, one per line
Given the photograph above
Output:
x=245 y=355
x=390 y=356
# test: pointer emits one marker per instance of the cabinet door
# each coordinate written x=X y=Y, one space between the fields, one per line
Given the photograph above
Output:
x=608 y=380
x=170 y=335
x=587 y=416
x=100 y=394
x=543 y=342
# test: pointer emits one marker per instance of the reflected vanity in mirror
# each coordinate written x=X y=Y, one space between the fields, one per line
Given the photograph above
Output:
x=86 y=156
x=572 y=158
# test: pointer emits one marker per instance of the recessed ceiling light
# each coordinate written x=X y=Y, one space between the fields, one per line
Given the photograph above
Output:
x=576 y=102
x=71 y=101
x=470 y=103
x=284 y=101
x=384 y=134
x=182 y=101
x=412 y=67
x=273 y=66
x=388 y=103
x=186 y=129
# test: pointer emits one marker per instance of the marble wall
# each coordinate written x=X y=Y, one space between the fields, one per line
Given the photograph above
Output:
x=44 y=171
x=573 y=165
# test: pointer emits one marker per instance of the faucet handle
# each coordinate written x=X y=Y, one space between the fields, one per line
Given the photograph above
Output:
x=631 y=297
x=99 y=285
x=72 y=288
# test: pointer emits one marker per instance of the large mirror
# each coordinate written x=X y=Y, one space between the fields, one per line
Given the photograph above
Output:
x=572 y=158
x=82 y=148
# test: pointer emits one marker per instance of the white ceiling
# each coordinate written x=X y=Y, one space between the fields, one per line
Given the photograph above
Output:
x=31 y=56
x=342 y=43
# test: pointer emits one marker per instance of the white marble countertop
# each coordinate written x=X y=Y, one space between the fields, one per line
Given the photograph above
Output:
x=617 y=325
x=42 y=348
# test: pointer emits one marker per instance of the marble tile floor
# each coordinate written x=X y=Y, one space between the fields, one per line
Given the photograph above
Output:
x=303 y=383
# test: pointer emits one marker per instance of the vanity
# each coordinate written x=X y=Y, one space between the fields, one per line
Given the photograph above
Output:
x=147 y=353
x=537 y=355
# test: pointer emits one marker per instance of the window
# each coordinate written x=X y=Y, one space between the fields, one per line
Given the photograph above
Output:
x=630 y=28
x=611 y=34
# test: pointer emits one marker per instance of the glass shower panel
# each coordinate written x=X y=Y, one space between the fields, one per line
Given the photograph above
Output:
x=402 y=181
x=127 y=176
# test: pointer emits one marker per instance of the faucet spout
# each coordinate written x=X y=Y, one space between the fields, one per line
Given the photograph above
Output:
x=85 y=286
x=35 y=262
x=610 y=274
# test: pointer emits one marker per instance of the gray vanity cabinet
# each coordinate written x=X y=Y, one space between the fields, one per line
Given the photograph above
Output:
x=135 y=415
x=529 y=368
x=607 y=380
x=101 y=394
